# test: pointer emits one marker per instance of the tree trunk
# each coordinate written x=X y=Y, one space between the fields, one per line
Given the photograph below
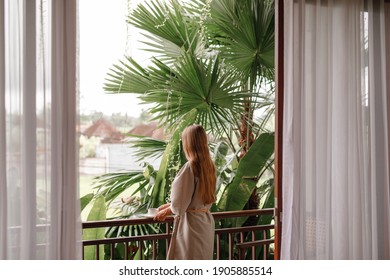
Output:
x=246 y=140
x=246 y=135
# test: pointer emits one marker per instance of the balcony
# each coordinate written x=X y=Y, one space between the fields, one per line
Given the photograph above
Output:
x=231 y=242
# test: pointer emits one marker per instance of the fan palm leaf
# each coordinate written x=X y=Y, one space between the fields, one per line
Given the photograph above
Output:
x=244 y=31
x=170 y=28
x=175 y=90
x=147 y=147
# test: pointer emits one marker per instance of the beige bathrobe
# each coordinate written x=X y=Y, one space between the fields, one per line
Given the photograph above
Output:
x=193 y=232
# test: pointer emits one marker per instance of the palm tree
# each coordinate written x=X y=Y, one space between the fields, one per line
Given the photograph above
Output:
x=243 y=32
x=185 y=82
x=200 y=73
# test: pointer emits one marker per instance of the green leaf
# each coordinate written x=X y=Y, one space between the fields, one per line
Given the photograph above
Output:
x=97 y=213
x=138 y=255
x=85 y=200
x=167 y=23
x=243 y=31
x=111 y=185
x=127 y=77
x=174 y=90
x=249 y=168
x=147 y=147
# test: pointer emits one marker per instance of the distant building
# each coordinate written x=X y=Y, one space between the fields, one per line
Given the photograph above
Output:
x=149 y=130
x=114 y=154
x=105 y=131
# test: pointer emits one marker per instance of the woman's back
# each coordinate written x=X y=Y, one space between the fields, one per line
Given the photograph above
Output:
x=193 y=236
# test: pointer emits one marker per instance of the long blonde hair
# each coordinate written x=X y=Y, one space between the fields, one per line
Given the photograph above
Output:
x=196 y=150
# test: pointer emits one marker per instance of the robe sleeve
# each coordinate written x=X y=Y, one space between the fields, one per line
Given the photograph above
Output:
x=182 y=190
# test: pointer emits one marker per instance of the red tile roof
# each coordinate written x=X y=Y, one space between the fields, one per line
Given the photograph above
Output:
x=105 y=130
x=148 y=130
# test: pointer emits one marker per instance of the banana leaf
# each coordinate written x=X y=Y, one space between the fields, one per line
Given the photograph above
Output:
x=97 y=213
x=249 y=169
x=85 y=200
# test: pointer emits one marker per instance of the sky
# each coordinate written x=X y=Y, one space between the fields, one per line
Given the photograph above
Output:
x=104 y=40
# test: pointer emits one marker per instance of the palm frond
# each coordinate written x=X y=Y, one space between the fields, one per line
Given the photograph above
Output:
x=167 y=24
x=112 y=185
x=196 y=84
x=244 y=34
x=147 y=147
x=127 y=77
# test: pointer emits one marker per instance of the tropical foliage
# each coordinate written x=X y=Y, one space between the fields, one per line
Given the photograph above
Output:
x=212 y=65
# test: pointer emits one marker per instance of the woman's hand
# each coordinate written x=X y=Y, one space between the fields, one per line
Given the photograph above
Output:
x=162 y=214
x=164 y=206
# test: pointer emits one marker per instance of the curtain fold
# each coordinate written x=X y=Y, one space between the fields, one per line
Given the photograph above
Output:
x=336 y=202
x=3 y=161
x=64 y=156
x=40 y=211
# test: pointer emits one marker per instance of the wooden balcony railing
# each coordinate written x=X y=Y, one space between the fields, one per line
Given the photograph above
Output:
x=250 y=241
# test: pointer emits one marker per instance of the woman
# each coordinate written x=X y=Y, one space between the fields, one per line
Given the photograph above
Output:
x=192 y=194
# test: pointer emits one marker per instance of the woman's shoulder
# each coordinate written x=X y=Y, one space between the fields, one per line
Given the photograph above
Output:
x=185 y=169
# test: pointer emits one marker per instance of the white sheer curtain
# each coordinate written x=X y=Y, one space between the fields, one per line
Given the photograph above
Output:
x=39 y=200
x=336 y=202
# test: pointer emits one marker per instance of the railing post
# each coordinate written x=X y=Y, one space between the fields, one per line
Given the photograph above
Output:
x=218 y=247
x=154 y=249
x=167 y=240
x=230 y=246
